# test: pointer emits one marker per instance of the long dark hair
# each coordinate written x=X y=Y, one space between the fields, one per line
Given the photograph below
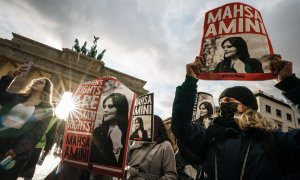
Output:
x=241 y=45
x=209 y=108
x=141 y=122
x=160 y=132
x=120 y=102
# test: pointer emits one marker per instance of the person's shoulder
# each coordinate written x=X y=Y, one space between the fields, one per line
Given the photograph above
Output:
x=253 y=61
x=99 y=129
x=219 y=66
x=144 y=131
x=166 y=145
x=221 y=62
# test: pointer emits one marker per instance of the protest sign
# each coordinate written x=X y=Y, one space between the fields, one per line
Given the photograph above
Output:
x=142 y=121
x=235 y=44
x=96 y=133
x=204 y=109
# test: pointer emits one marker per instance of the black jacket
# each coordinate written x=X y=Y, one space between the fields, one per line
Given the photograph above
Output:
x=135 y=135
x=22 y=140
x=251 y=66
x=223 y=147
x=102 y=147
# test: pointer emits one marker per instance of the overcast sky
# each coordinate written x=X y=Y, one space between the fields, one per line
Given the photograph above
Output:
x=150 y=39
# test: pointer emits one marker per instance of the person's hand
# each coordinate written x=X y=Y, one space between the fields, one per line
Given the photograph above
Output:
x=133 y=172
x=21 y=70
x=11 y=153
x=282 y=68
x=194 y=68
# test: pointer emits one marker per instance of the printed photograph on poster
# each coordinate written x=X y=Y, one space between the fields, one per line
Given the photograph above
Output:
x=110 y=135
x=204 y=109
x=220 y=52
x=97 y=130
x=142 y=121
x=141 y=128
x=235 y=44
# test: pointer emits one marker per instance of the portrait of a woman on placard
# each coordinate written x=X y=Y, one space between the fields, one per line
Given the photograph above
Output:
x=237 y=58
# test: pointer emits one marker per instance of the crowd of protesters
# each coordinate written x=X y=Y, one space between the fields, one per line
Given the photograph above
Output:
x=238 y=143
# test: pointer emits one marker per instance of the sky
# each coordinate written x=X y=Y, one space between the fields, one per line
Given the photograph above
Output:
x=152 y=40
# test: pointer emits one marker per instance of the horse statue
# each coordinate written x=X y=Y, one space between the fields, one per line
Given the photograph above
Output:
x=100 y=56
x=84 y=49
x=93 y=51
x=76 y=46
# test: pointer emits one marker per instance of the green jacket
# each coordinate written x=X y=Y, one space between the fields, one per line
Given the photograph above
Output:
x=49 y=134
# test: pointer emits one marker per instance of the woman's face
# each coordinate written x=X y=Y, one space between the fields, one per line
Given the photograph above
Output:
x=203 y=110
x=108 y=85
x=110 y=111
x=229 y=50
x=38 y=84
x=137 y=125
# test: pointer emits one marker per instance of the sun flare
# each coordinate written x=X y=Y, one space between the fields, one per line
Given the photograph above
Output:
x=65 y=106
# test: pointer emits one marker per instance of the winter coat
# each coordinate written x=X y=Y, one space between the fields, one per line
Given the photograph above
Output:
x=290 y=88
x=185 y=170
x=226 y=151
x=161 y=165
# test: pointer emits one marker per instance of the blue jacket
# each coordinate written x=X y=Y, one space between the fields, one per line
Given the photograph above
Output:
x=226 y=151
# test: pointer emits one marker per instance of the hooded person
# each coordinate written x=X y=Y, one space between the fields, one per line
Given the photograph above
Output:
x=240 y=143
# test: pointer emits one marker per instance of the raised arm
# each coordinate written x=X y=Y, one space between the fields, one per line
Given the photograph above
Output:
x=289 y=142
x=287 y=82
x=193 y=135
x=6 y=81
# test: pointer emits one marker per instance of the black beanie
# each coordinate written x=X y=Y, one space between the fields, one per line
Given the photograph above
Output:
x=242 y=94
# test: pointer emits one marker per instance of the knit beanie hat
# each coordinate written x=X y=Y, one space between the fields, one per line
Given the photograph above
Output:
x=242 y=94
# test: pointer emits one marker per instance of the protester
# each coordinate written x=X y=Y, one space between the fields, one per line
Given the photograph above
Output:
x=139 y=133
x=185 y=170
x=110 y=136
x=41 y=149
x=186 y=160
x=59 y=137
x=237 y=58
x=241 y=144
x=206 y=112
x=152 y=160
x=24 y=118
